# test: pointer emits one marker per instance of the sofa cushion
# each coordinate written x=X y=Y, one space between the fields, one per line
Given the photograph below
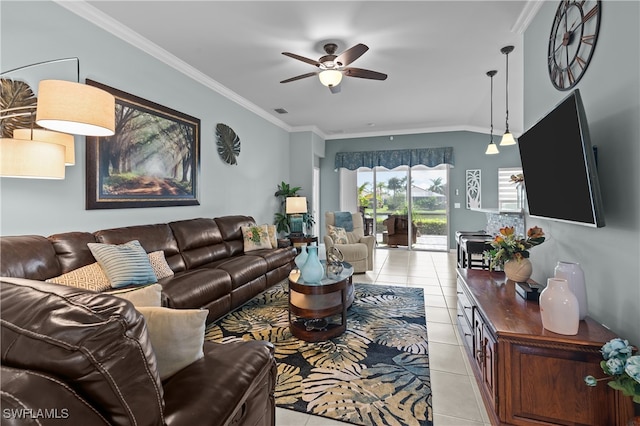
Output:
x=242 y=269
x=124 y=264
x=200 y=241
x=255 y=237
x=89 y=277
x=103 y=349
x=177 y=336
x=196 y=288
x=28 y=256
x=276 y=258
x=231 y=230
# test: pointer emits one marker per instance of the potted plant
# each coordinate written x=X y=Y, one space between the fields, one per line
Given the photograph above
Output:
x=281 y=220
x=511 y=252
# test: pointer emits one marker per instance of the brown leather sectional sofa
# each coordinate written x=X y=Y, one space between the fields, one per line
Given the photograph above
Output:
x=86 y=356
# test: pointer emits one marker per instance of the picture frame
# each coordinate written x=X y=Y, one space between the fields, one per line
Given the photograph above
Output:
x=153 y=160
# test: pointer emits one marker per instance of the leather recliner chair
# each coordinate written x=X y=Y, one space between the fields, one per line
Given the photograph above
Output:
x=398 y=230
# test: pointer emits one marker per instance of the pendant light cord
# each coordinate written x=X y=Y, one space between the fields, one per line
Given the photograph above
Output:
x=507 y=95
x=491 y=108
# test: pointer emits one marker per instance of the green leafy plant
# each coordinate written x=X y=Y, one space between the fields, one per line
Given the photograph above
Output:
x=621 y=367
x=508 y=246
x=281 y=220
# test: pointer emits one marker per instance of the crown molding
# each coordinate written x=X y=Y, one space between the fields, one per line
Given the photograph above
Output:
x=529 y=12
x=101 y=20
x=386 y=133
x=114 y=27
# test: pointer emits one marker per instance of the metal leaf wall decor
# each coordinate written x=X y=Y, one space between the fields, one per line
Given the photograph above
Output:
x=228 y=143
x=15 y=94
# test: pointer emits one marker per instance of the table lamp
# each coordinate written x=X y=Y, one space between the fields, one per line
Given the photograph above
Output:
x=295 y=207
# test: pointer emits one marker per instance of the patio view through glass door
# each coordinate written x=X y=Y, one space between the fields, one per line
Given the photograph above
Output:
x=406 y=207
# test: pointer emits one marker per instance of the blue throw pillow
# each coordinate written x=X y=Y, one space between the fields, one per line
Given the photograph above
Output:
x=124 y=264
x=344 y=220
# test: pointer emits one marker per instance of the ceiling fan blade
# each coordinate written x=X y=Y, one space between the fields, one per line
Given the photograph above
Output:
x=335 y=89
x=362 y=73
x=302 y=58
x=298 y=77
x=350 y=55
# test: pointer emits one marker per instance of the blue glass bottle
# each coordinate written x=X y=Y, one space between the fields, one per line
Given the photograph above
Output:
x=301 y=258
x=312 y=270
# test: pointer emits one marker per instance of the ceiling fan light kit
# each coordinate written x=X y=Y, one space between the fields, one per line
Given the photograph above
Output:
x=330 y=78
x=332 y=67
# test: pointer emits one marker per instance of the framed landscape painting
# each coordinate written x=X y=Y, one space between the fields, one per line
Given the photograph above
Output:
x=153 y=160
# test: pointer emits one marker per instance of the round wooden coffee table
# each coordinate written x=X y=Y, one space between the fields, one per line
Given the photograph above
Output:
x=315 y=307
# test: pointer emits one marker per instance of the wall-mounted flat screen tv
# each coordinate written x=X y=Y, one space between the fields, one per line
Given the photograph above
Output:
x=559 y=166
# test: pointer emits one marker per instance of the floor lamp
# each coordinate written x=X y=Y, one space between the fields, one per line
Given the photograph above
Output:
x=64 y=108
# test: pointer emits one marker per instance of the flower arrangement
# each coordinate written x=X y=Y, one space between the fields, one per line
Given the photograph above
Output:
x=621 y=366
x=508 y=246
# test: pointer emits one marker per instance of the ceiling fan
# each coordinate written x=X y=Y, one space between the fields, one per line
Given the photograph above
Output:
x=332 y=67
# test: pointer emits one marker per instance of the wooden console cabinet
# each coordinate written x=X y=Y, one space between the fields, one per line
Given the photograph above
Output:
x=528 y=375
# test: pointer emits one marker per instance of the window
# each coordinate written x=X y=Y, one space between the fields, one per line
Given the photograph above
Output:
x=509 y=193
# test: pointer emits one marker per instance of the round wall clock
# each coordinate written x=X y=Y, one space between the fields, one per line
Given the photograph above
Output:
x=228 y=143
x=572 y=41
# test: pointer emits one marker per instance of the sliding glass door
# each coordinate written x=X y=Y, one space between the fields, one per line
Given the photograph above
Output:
x=406 y=207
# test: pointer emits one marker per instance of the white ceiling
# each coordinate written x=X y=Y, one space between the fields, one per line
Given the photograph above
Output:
x=436 y=54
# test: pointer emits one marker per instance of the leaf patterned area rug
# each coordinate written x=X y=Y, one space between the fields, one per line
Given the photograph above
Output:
x=376 y=373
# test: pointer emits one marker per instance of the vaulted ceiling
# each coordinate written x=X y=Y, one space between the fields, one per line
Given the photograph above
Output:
x=435 y=53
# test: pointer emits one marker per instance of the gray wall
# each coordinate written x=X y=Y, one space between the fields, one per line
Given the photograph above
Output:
x=610 y=90
x=39 y=31
x=468 y=148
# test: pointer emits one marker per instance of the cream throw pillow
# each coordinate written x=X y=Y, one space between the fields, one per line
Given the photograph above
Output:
x=338 y=235
x=89 y=277
x=177 y=336
x=255 y=238
x=273 y=235
x=149 y=295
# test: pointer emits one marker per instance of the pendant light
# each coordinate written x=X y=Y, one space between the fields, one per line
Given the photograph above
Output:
x=491 y=148
x=507 y=138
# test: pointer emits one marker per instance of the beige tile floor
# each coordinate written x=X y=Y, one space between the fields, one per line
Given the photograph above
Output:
x=456 y=398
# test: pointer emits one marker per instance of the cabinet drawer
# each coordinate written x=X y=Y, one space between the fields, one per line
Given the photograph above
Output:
x=465 y=318
x=465 y=309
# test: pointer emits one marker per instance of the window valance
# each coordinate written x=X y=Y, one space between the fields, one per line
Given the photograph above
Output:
x=391 y=159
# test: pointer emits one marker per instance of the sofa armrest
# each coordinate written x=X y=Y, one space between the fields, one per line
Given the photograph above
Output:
x=33 y=398
x=234 y=383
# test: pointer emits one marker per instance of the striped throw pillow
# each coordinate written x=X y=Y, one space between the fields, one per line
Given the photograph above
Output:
x=124 y=264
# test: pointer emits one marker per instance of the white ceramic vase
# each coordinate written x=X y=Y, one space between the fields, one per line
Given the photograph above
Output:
x=559 y=308
x=518 y=270
x=572 y=272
